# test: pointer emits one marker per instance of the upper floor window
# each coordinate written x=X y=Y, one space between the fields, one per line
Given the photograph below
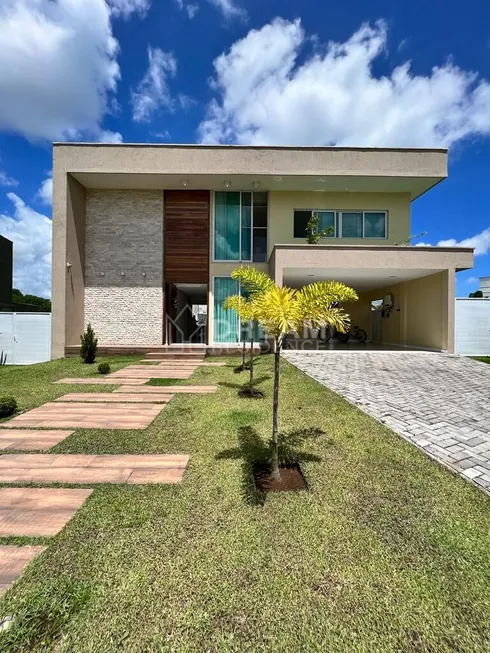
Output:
x=240 y=226
x=345 y=224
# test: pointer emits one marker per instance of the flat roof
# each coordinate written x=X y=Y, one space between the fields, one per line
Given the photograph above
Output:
x=300 y=148
x=147 y=166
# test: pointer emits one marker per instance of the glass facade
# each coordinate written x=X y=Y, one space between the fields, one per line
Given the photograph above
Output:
x=227 y=327
x=226 y=323
x=240 y=226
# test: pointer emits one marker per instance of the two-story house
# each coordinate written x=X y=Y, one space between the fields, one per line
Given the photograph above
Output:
x=145 y=238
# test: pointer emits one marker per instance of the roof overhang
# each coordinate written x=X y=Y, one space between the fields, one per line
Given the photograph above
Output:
x=155 y=167
x=363 y=267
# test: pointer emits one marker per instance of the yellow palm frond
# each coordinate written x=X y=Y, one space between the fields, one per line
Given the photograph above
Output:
x=243 y=307
x=277 y=310
x=252 y=279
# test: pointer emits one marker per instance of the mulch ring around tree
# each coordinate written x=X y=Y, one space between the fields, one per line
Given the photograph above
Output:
x=291 y=478
x=250 y=393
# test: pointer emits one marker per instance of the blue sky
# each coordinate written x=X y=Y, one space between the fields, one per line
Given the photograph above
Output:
x=247 y=71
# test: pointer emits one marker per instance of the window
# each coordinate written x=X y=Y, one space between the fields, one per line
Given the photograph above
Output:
x=345 y=224
x=240 y=226
x=351 y=225
x=226 y=325
x=260 y=227
x=375 y=224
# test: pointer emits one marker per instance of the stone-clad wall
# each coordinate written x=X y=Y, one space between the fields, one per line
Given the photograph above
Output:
x=124 y=266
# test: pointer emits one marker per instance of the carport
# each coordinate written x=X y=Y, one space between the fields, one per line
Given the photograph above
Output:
x=406 y=294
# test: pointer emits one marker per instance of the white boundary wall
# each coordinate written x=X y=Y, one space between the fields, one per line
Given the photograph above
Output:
x=472 y=326
x=25 y=337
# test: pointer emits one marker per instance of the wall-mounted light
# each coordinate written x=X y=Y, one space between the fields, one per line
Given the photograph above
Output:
x=185 y=183
x=102 y=274
x=278 y=178
x=68 y=266
x=123 y=274
x=143 y=274
x=227 y=184
x=256 y=184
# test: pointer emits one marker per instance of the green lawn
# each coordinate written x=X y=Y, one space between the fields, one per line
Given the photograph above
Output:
x=482 y=359
x=387 y=552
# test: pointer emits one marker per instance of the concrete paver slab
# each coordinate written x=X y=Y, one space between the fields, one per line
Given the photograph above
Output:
x=13 y=560
x=80 y=468
x=29 y=439
x=37 y=512
x=89 y=415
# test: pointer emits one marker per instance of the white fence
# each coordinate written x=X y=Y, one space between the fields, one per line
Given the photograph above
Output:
x=25 y=337
x=472 y=327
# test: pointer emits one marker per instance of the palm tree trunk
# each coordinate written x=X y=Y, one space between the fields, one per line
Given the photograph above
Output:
x=275 y=473
x=243 y=355
x=251 y=382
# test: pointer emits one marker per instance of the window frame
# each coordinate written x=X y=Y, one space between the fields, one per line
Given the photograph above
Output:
x=239 y=322
x=213 y=226
x=338 y=223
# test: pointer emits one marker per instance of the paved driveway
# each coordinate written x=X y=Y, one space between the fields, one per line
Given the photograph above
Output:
x=439 y=402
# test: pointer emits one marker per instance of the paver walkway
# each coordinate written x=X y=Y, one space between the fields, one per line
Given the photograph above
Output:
x=88 y=416
x=28 y=439
x=13 y=560
x=168 y=389
x=111 y=397
x=101 y=380
x=86 y=468
x=37 y=512
x=152 y=372
x=438 y=402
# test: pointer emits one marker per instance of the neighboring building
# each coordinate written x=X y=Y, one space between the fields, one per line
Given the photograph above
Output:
x=485 y=286
x=144 y=234
x=6 y=258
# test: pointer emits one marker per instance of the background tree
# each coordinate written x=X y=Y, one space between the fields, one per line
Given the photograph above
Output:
x=478 y=294
x=280 y=310
x=313 y=231
x=39 y=304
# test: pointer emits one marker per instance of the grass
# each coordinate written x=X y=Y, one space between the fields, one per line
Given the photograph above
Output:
x=387 y=552
x=482 y=359
x=165 y=382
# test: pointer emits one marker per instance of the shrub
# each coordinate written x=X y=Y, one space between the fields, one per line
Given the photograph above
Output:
x=104 y=368
x=8 y=406
x=88 y=349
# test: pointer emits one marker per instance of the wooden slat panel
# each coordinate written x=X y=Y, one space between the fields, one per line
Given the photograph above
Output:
x=186 y=237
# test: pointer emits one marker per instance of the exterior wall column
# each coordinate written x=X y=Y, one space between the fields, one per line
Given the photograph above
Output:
x=68 y=270
x=58 y=285
x=448 y=309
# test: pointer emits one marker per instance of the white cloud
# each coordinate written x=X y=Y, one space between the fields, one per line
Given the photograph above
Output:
x=125 y=8
x=31 y=234
x=58 y=66
x=45 y=191
x=480 y=242
x=5 y=180
x=106 y=136
x=191 y=9
x=153 y=92
x=229 y=8
x=472 y=280
x=268 y=92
